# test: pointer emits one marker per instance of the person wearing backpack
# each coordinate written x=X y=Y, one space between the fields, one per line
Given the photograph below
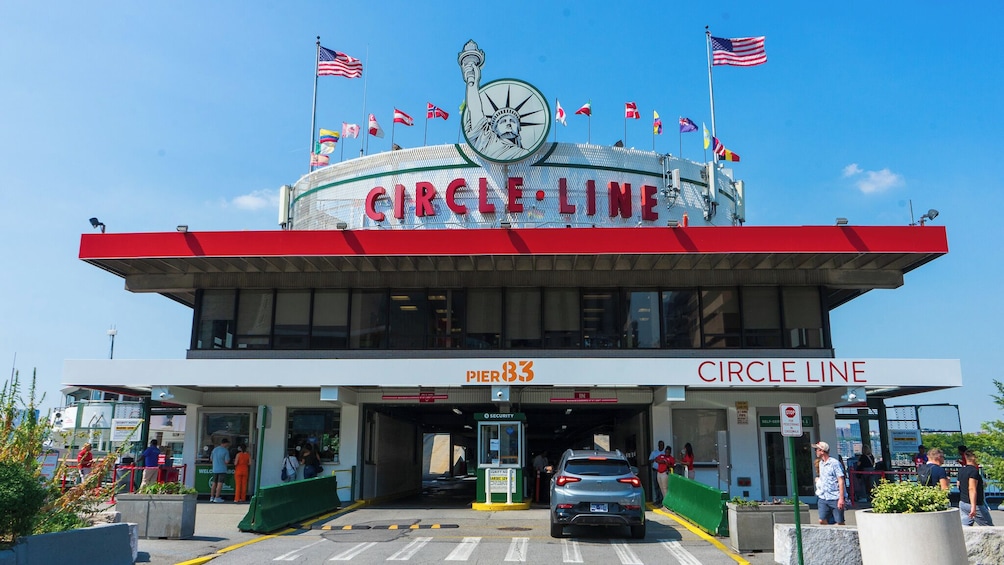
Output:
x=289 y=466
x=931 y=474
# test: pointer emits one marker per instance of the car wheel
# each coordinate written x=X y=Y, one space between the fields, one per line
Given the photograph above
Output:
x=557 y=530
x=638 y=532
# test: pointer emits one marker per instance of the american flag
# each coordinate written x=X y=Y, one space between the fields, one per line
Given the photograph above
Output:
x=333 y=63
x=402 y=118
x=436 y=112
x=631 y=110
x=738 y=52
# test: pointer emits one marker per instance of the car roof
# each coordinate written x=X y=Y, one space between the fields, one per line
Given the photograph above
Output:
x=586 y=453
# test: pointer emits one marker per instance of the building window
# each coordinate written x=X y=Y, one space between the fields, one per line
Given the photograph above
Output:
x=761 y=317
x=234 y=426
x=317 y=427
x=522 y=318
x=681 y=320
x=254 y=319
x=292 y=319
x=699 y=428
x=410 y=322
x=449 y=310
x=216 y=320
x=803 y=317
x=561 y=318
x=600 y=329
x=641 y=328
x=720 y=312
x=368 y=320
x=484 y=319
x=331 y=320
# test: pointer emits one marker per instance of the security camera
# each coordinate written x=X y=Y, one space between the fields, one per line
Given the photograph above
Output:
x=163 y=394
x=498 y=393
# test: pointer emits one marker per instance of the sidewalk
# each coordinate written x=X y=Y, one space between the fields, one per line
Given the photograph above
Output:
x=215 y=529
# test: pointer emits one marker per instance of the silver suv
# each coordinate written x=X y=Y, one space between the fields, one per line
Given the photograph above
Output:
x=596 y=488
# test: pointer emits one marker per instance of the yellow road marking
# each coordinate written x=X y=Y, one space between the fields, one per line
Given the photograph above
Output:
x=701 y=534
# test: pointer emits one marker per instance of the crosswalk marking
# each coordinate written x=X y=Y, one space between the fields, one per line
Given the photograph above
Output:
x=295 y=554
x=463 y=551
x=409 y=550
x=353 y=551
x=570 y=551
x=517 y=549
x=625 y=554
x=681 y=554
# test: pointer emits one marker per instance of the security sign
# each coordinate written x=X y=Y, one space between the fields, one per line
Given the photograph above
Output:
x=791 y=420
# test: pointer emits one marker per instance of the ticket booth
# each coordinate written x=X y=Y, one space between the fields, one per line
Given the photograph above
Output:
x=500 y=457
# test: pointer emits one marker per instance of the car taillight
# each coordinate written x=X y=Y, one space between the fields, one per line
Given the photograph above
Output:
x=633 y=481
x=563 y=480
x=631 y=507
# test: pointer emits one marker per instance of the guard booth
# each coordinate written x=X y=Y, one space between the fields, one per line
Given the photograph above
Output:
x=500 y=457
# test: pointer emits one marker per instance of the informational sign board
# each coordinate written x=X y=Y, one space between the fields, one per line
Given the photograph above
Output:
x=904 y=441
x=498 y=481
x=125 y=429
x=791 y=420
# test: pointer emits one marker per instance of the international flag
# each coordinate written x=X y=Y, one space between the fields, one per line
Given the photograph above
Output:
x=586 y=109
x=375 y=128
x=631 y=110
x=656 y=123
x=333 y=63
x=327 y=136
x=738 y=52
x=687 y=125
x=436 y=112
x=402 y=118
x=559 y=114
x=318 y=160
x=707 y=136
x=325 y=148
x=350 y=130
x=724 y=153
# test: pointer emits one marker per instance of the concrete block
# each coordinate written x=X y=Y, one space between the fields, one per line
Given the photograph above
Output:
x=833 y=545
x=7 y=557
x=107 y=544
x=984 y=546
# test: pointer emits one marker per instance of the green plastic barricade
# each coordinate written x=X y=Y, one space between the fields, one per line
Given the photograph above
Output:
x=281 y=505
x=699 y=503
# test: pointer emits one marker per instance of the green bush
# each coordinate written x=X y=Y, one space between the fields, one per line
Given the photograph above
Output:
x=165 y=488
x=21 y=499
x=907 y=497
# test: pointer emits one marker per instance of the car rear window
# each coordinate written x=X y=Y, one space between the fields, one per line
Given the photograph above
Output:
x=598 y=467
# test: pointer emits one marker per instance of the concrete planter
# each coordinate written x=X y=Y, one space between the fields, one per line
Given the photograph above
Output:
x=170 y=516
x=926 y=537
x=751 y=528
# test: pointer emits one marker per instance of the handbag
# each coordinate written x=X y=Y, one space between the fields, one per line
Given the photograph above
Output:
x=285 y=474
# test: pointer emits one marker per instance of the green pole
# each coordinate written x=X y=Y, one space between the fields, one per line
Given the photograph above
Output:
x=794 y=489
x=263 y=415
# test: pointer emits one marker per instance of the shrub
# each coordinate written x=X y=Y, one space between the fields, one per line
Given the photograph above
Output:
x=740 y=501
x=907 y=497
x=165 y=488
x=21 y=499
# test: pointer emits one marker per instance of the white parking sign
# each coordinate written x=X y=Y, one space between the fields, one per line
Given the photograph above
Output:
x=791 y=420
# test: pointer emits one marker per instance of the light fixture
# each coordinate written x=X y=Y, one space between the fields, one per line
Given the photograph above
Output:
x=841 y=221
x=568 y=411
x=930 y=215
x=341 y=225
x=504 y=224
x=457 y=411
x=95 y=223
x=183 y=229
x=672 y=223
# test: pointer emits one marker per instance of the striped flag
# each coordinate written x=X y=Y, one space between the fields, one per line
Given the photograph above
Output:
x=434 y=111
x=327 y=136
x=402 y=118
x=738 y=52
x=333 y=63
x=586 y=109
x=350 y=130
x=631 y=110
x=724 y=153
x=656 y=123
x=318 y=160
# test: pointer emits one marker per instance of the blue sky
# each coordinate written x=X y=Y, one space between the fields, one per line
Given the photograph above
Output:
x=151 y=115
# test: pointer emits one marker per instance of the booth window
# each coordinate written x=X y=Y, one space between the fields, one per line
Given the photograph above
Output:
x=318 y=427
x=500 y=443
x=699 y=428
x=216 y=425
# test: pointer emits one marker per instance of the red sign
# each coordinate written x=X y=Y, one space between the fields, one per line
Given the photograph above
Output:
x=789 y=411
x=421 y=397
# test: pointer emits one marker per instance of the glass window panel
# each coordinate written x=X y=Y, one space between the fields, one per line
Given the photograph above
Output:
x=561 y=318
x=318 y=427
x=720 y=313
x=410 y=321
x=368 y=320
x=699 y=428
x=641 y=329
x=681 y=319
x=216 y=320
x=254 y=319
x=484 y=319
x=761 y=317
x=522 y=318
x=217 y=425
x=500 y=444
x=600 y=329
x=803 y=316
x=449 y=311
x=331 y=320
x=292 y=319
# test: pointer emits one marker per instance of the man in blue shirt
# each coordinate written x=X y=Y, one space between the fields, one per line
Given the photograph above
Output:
x=830 y=501
x=220 y=458
x=150 y=458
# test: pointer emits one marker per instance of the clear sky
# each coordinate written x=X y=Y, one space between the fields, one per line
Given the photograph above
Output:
x=150 y=115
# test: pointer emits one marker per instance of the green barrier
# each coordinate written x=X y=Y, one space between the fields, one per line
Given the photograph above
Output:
x=699 y=503
x=284 y=504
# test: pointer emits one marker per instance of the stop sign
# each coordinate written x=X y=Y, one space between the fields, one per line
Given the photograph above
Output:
x=791 y=420
x=789 y=411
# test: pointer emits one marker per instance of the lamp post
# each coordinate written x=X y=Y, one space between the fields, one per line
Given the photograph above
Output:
x=111 y=336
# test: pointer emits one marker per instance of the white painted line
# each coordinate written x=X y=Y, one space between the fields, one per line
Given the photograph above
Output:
x=625 y=554
x=409 y=550
x=295 y=554
x=517 y=550
x=350 y=553
x=463 y=551
x=570 y=551
x=681 y=555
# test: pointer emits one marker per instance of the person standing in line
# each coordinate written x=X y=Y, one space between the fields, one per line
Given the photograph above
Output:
x=688 y=460
x=972 y=503
x=85 y=460
x=921 y=457
x=311 y=463
x=151 y=460
x=962 y=455
x=660 y=448
x=220 y=458
x=831 y=500
x=933 y=475
x=290 y=464
x=665 y=464
x=242 y=468
x=866 y=466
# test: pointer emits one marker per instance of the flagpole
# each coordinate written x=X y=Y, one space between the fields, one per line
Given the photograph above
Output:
x=425 y=136
x=625 y=128
x=341 y=157
x=365 y=117
x=555 y=138
x=392 y=123
x=711 y=90
x=313 y=110
x=653 y=132
x=681 y=136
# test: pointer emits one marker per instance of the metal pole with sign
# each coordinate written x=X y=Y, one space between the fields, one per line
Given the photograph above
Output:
x=791 y=427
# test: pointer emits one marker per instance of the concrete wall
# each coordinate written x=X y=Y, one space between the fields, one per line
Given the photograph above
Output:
x=108 y=544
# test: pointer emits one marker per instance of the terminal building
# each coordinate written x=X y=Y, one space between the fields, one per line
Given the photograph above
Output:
x=609 y=297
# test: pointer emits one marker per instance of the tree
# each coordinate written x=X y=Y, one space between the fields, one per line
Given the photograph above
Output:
x=990 y=443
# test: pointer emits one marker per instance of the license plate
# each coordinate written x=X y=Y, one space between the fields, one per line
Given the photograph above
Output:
x=597 y=507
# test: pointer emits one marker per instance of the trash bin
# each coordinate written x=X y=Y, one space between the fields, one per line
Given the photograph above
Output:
x=167 y=475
